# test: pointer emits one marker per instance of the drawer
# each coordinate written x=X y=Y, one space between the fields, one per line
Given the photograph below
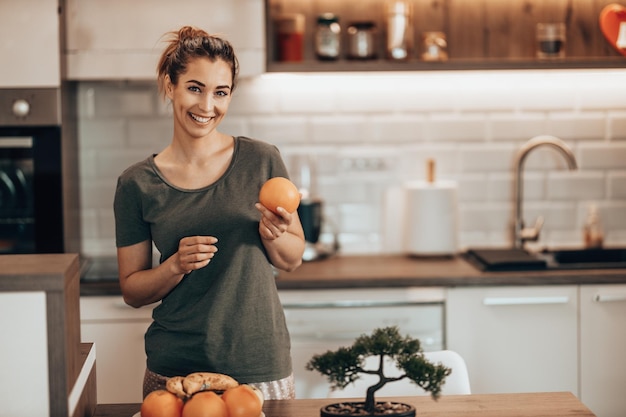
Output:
x=106 y=308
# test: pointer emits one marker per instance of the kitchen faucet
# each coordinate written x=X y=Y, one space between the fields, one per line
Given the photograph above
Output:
x=522 y=234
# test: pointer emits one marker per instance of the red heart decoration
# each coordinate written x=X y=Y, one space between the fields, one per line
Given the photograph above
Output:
x=613 y=25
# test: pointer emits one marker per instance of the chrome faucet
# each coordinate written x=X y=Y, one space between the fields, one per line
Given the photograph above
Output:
x=522 y=234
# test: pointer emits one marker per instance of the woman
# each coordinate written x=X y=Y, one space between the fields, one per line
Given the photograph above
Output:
x=196 y=201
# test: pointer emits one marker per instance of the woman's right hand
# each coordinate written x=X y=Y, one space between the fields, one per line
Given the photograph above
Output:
x=194 y=252
x=143 y=284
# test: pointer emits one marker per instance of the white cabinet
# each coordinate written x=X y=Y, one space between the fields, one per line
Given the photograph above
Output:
x=117 y=331
x=603 y=349
x=118 y=39
x=516 y=339
x=24 y=353
x=29 y=43
x=322 y=320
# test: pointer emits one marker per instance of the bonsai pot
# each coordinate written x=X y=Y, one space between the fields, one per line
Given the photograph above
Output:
x=357 y=409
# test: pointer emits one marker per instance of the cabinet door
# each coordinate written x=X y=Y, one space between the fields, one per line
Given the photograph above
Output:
x=322 y=320
x=515 y=339
x=118 y=39
x=117 y=331
x=603 y=348
x=29 y=40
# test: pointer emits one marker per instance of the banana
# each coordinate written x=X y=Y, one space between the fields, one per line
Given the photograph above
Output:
x=203 y=381
x=258 y=393
x=175 y=386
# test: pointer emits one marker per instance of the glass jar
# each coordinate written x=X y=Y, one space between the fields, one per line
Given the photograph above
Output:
x=551 y=40
x=328 y=37
x=290 y=37
x=434 y=46
x=361 y=40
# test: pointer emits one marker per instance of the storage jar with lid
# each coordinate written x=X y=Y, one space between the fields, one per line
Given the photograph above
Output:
x=328 y=37
x=361 y=40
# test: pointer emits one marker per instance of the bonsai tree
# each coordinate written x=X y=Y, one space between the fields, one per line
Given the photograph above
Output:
x=346 y=364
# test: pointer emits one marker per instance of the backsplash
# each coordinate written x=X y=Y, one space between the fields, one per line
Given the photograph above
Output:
x=371 y=132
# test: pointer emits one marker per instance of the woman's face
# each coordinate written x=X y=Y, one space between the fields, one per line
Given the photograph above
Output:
x=201 y=98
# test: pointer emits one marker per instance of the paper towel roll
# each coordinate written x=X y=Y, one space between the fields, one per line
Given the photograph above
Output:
x=431 y=218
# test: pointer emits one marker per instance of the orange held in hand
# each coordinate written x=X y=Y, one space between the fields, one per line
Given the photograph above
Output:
x=242 y=401
x=161 y=403
x=205 y=404
x=279 y=192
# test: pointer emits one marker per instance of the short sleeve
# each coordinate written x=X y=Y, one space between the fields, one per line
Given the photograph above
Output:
x=130 y=227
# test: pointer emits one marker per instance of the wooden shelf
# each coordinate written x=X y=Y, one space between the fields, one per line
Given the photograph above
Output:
x=481 y=34
x=450 y=65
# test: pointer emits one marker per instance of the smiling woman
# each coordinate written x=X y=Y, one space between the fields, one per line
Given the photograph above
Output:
x=199 y=107
x=219 y=310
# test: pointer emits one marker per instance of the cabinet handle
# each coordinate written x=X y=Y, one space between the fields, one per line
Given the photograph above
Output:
x=509 y=301
x=607 y=298
x=356 y=304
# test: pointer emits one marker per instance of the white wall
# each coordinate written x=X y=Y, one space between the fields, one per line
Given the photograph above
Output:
x=371 y=131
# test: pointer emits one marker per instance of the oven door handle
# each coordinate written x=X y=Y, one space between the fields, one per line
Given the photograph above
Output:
x=16 y=142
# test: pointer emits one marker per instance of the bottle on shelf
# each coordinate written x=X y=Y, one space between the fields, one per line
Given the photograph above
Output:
x=399 y=19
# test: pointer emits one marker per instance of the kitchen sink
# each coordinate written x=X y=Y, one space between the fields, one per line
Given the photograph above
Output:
x=514 y=259
x=585 y=258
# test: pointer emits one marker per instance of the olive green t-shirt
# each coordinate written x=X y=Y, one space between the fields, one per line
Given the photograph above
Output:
x=226 y=317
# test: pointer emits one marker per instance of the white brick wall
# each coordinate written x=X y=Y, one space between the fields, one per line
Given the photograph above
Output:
x=371 y=132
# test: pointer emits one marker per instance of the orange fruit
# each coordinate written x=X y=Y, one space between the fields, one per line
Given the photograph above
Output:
x=161 y=403
x=279 y=192
x=205 y=404
x=242 y=401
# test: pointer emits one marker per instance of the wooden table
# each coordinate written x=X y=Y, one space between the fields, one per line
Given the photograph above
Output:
x=550 y=404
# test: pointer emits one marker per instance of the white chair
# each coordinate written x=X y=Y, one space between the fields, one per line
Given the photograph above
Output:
x=457 y=383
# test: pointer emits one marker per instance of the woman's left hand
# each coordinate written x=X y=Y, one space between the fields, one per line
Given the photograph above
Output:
x=272 y=225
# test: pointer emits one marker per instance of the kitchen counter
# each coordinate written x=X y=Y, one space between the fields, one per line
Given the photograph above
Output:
x=391 y=271
x=550 y=404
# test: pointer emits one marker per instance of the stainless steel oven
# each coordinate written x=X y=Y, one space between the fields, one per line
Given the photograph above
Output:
x=38 y=198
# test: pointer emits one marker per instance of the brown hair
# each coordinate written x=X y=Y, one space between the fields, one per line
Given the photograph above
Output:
x=188 y=43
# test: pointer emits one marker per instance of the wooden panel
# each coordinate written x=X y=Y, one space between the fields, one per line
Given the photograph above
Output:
x=86 y=406
x=430 y=16
x=465 y=34
x=64 y=338
x=71 y=300
x=57 y=356
x=509 y=29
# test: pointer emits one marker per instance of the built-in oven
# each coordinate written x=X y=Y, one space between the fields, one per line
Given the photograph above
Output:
x=35 y=216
